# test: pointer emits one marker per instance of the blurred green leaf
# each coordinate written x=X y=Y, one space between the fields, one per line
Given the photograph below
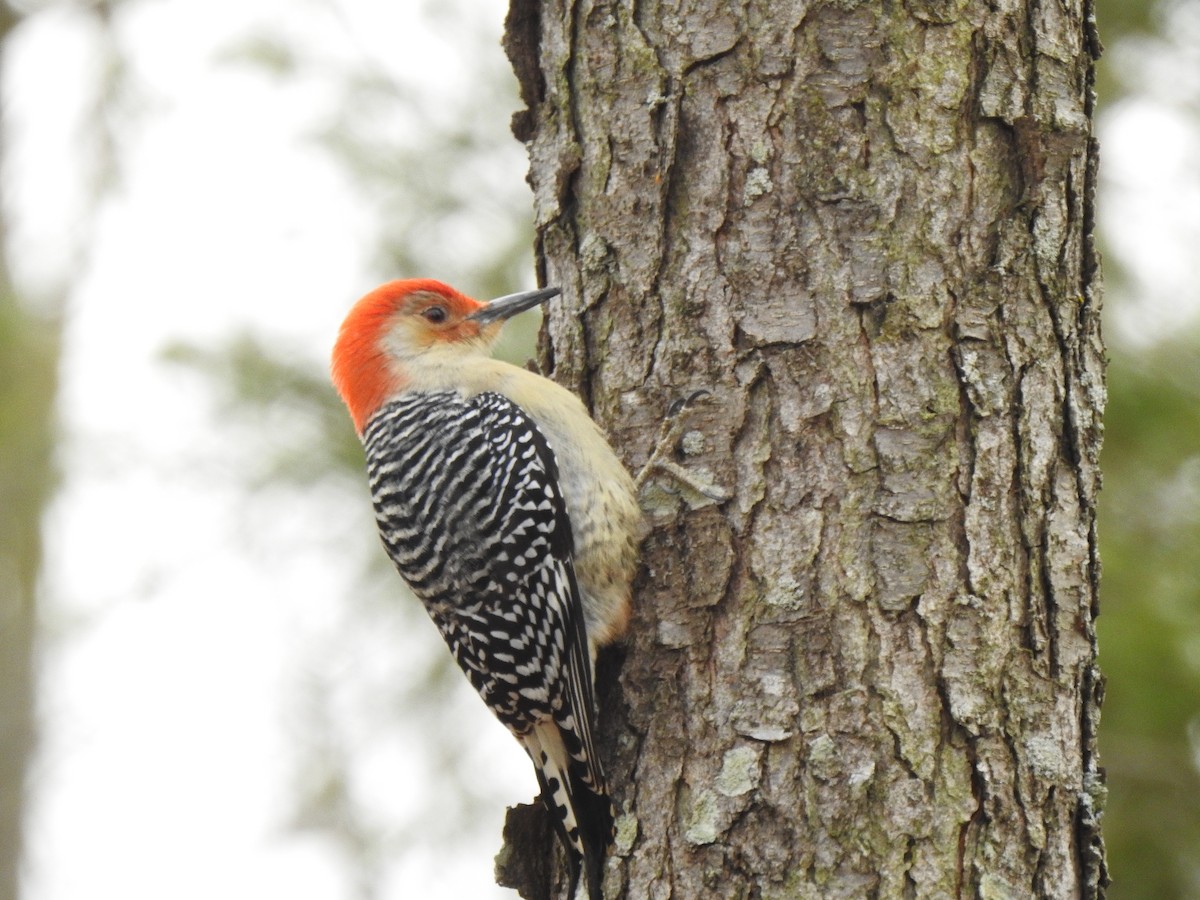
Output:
x=1150 y=620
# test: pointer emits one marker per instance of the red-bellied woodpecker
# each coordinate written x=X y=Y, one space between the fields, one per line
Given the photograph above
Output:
x=509 y=516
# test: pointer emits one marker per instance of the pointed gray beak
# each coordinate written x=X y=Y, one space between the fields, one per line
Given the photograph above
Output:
x=505 y=307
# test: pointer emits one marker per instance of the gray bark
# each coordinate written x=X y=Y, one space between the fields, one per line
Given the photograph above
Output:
x=867 y=229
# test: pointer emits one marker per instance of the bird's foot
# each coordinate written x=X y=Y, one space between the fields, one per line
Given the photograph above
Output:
x=696 y=487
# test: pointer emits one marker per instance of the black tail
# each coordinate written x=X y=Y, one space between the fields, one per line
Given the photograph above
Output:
x=594 y=813
x=593 y=831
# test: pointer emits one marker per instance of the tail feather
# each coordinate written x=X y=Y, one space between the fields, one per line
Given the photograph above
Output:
x=578 y=802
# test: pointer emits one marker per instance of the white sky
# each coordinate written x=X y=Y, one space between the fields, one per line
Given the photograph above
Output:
x=166 y=637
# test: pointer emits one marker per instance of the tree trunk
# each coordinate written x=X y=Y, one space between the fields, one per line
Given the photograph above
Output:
x=29 y=357
x=28 y=384
x=866 y=228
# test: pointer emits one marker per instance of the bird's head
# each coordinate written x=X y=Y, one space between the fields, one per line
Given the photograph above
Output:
x=403 y=325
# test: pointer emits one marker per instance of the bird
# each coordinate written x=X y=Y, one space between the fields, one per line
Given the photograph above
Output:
x=509 y=515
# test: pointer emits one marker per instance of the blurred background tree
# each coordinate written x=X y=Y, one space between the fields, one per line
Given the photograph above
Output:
x=432 y=168
x=32 y=308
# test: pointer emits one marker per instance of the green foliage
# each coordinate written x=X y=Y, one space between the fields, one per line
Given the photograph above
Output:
x=1122 y=18
x=1149 y=538
x=1150 y=622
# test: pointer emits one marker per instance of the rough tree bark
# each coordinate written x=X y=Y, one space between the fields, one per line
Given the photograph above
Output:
x=867 y=229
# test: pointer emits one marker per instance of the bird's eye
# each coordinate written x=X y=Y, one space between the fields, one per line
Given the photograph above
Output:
x=435 y=314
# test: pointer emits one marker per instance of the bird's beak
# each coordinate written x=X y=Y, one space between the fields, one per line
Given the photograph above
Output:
x=505 y=307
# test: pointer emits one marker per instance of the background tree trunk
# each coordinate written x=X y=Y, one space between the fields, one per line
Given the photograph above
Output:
x=29 y=350
x=30 y=336
x=867 y=229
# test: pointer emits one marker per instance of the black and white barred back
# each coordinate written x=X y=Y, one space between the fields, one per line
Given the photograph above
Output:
x=468 y=505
